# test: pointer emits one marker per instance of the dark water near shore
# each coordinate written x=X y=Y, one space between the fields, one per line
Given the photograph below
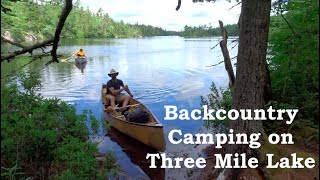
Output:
x=159 y=71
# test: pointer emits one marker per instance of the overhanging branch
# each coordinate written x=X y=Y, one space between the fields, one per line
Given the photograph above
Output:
x=54 y=41
x=235 y=5
x=27 y=49
x=178 y=6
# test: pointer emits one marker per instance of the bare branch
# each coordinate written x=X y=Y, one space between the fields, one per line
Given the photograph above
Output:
x=281 y=13
x=215 y=64
x=233 y=41
x=178 y=6
x=235 y=5
x=225 y=52
x=222 y=62
x=215 y=46
x=233 y=46
x=288 y=24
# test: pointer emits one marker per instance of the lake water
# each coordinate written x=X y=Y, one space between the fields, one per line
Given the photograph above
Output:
x=159 y=71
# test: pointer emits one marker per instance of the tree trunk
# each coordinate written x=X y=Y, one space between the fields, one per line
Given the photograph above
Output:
x=63 y=17
x=252 y=86
x=225 y=52
x=252 y=77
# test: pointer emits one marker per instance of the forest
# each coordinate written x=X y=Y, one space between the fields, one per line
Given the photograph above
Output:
x=293 y=66
x=82 y=23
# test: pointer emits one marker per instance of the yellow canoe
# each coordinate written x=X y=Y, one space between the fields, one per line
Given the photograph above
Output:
x=150 y=133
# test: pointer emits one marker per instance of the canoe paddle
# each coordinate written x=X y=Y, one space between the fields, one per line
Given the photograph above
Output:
x=133 y=105
x=65 y=60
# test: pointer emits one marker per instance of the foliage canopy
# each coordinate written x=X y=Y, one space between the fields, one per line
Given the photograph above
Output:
x=294 y=57
x=46 y=137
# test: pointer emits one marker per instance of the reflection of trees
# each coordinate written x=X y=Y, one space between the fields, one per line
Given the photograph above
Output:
x=137 y=153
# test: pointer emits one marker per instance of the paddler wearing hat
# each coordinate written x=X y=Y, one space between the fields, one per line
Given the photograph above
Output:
x=114 y=88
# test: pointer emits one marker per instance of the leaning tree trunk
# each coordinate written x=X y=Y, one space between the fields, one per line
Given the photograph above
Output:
x=252 y=76
x=225 y=52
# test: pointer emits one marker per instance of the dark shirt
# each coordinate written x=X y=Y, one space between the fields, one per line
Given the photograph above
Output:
x=116 y=85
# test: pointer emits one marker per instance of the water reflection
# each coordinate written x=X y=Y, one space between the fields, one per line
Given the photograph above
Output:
x=81 y=66
x=137 y=153
x=159 y=71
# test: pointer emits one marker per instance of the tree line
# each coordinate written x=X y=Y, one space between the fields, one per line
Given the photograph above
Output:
x=208 y=30
x=35 y=20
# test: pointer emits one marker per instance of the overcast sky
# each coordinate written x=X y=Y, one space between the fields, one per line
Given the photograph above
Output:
x=162 y=13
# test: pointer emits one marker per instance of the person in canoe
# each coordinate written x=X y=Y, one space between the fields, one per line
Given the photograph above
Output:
x=79 y=54
x=114 y=88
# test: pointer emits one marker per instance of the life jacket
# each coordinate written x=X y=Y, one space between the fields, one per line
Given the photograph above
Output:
x=80 y=53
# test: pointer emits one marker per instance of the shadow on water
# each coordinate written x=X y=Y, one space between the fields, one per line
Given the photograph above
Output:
x=81 y=66
x=137 y=153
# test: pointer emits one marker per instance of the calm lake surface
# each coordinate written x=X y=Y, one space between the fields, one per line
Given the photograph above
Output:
x=159 y=71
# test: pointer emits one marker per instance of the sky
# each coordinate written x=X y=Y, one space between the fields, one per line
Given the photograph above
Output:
x=162 y=13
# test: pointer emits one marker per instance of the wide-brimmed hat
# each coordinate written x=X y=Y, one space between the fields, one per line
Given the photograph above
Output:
x=112 y=72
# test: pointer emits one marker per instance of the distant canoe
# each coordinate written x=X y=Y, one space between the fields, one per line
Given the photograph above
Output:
x=81 y=60
x=150 y=133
